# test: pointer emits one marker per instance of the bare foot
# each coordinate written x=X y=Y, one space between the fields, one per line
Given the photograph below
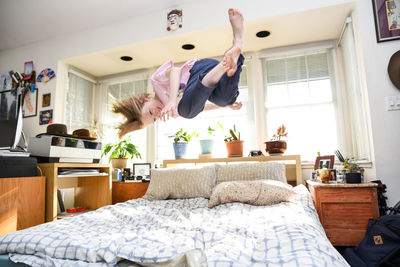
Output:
x=230 y=60
x=236 y=19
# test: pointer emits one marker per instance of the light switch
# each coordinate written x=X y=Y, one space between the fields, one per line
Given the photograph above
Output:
x=392 y=103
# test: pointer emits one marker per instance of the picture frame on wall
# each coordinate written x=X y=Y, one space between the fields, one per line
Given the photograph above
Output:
x=28 y=69
x=387 y=19
x=30 y=102
x=324 y=162
x=46 y=99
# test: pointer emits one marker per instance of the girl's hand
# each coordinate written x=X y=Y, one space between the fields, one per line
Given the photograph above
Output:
x=236 y=106
x=168 y=110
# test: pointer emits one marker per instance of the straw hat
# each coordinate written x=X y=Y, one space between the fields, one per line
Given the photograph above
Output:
x=394 y=69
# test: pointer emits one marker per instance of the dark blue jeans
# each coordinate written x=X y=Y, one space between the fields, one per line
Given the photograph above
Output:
x=196 y=94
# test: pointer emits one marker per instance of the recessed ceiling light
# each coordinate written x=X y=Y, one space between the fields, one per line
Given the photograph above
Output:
x=188 y=46
x=126 y=58
x=262 y=34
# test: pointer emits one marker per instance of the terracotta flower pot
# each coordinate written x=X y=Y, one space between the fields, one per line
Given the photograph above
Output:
x=275 y=147
x=235 y=148
x=119 y=163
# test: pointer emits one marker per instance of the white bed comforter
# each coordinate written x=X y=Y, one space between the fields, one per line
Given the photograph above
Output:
x=181 y=232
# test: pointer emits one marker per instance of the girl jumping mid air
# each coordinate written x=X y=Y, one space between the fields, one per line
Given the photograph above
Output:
x=184 y=91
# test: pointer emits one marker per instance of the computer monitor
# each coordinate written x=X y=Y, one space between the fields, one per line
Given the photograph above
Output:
x=10 y=119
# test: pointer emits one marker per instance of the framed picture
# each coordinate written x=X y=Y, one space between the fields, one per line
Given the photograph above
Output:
x=28 y=68
x=46 y=117
x=29 y=108
x=387 y=19
x=46 y=98
x=142 y=169
x=324 y=162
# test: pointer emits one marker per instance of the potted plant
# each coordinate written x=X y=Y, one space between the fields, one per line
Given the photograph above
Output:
x=181 y=140
x=276 y=146
x=207 y=144
x=352 y=171
x=120 y=153
x=234 y=145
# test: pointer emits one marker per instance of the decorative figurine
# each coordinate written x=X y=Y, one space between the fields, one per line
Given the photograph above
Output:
x=174 y=18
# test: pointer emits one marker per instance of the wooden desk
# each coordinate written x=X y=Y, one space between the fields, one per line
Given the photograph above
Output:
x=293 y=171
x=22 y=203
x=91 y=191
x=344 y=210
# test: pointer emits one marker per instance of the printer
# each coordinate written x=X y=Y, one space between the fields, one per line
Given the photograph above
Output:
x=54 y=148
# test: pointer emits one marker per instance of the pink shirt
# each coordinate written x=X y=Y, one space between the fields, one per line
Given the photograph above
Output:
x=160 y=81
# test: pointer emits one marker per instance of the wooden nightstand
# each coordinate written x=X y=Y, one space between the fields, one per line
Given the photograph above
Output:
x=344 y=210
x=122 y=191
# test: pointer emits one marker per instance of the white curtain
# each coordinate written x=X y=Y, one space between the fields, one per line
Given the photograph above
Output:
x=354 y=94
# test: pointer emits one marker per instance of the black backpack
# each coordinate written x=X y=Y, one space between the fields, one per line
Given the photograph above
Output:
x=380 y=246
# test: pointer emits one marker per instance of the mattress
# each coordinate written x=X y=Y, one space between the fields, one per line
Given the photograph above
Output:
x=180 y=232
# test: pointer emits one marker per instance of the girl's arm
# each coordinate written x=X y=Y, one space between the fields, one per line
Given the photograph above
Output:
x=234 y=106
x=174 y=83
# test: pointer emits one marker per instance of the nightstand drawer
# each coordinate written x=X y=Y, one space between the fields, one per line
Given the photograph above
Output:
x=346 y=195
x=346 y=215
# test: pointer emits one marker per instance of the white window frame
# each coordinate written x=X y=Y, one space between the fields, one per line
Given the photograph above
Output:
x=337 y=87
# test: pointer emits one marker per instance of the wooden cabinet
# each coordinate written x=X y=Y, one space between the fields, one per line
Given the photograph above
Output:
x=91 y=191
x=122 y=191
x=344 y=210
x=22 y=203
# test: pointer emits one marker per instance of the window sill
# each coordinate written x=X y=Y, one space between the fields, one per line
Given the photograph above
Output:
x=363 y=163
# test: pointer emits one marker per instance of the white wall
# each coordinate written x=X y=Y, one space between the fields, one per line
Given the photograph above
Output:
x=385 y=126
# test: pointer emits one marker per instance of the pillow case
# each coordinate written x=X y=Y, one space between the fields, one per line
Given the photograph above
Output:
x=258 y=193
x=181 y=183
x=251 y=171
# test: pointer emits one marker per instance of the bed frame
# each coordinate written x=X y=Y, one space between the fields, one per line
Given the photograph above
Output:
x=292 y=164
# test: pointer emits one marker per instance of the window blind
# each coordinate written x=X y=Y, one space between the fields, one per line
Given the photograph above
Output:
x=79 y=106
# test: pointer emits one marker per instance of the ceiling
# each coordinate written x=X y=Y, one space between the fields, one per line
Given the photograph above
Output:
x=297 y=28
x=290 y=29
x=26 y=21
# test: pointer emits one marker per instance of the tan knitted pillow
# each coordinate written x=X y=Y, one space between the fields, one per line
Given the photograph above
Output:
x=181 y=183
x=251 y=171
x=258 y=193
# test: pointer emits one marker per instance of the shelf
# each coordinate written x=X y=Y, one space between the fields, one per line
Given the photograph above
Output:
x=82 y=175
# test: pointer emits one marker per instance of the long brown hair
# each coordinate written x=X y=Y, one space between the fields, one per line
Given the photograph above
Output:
x=131 y=109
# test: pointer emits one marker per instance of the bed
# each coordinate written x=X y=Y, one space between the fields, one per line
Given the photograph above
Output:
x=182 y=231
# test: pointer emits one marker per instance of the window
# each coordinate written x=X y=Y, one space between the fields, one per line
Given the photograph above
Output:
x=299 y=94
x=243 y=119
x=79 y=107
x=119 y=91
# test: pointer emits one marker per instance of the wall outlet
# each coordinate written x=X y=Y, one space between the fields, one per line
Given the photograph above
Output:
x=392 y=103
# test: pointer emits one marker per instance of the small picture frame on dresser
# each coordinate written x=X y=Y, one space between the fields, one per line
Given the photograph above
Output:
x=141 y=170
x=324 y=162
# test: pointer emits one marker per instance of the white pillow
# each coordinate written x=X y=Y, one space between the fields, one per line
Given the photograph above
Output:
x=258 y=193
x=250 y=171
x=181 y=183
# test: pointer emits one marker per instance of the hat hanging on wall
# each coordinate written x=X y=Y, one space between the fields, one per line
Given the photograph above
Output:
x=394 y=69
